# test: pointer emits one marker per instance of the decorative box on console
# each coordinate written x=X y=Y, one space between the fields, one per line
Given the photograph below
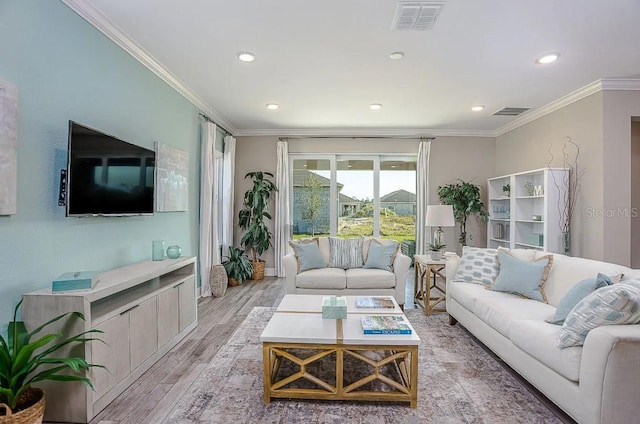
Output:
x=334 y=307
x=82 y=280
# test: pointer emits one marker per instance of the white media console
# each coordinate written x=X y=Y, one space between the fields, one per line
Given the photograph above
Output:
x=144 y=309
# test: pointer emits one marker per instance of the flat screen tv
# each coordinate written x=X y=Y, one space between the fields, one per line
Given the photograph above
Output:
x=107 y=176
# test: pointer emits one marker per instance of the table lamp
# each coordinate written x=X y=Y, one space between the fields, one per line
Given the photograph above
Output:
x=439 y=216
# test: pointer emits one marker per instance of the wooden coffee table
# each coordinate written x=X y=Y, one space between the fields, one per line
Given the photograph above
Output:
x=297 y=333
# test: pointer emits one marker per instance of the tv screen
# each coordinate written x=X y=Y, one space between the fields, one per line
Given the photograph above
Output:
x=107 y=176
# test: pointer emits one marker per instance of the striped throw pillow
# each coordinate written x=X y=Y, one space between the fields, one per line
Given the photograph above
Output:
x=345 y=253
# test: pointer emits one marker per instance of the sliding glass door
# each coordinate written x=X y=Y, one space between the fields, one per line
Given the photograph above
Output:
x=354 y=195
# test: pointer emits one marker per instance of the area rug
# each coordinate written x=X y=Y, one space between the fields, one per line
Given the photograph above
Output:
x=459 y=382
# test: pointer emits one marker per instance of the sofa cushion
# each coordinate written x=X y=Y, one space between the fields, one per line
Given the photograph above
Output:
x=499 y=313
x=568 y=271
x=522 y=254
x=522 y=277
x=358 y=278
x=325 y=278
x=345 y=253
x=576 y=294
x=381 y=256
x=612 y=305
x=478 y=265
x=538 y=339
x=307 y=254
x=467 y=293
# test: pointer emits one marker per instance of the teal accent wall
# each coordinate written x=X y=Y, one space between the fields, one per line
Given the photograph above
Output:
x=65 y=69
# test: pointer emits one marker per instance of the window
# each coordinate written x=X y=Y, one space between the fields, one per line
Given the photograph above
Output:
x=353 y=195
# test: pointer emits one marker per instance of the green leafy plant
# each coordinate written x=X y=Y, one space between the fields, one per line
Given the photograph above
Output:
x=466 y=201
x=506 y=189
x=257 y=238
x=237 y=265
x=24 y=362
x=437 y=246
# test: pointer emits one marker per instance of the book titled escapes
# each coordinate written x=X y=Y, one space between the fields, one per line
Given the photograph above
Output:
x=385 y=324
x=374 y=302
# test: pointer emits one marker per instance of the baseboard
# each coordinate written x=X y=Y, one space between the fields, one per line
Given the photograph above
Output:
x=270 y=272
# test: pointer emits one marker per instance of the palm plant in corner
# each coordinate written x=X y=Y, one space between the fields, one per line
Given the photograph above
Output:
x=251 y=218
x=25 y=361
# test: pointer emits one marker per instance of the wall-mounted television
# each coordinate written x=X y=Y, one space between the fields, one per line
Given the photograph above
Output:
x=107 y=176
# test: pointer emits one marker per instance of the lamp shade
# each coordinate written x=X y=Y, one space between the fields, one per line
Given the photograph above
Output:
x=440 y=216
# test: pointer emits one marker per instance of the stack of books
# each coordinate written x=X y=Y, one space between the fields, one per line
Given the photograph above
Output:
x=374 y=302
x=385 y=324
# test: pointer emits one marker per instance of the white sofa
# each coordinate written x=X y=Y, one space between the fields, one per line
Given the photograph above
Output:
x=355 y=281
x=595 y=383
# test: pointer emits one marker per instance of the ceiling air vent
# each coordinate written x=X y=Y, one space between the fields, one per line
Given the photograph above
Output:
x=511 y=111
x=416 y=15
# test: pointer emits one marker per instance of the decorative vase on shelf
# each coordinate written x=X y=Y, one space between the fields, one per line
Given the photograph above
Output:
x=174 y=252
x=566 y=243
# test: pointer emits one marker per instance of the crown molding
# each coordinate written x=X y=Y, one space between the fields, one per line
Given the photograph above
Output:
x=630 y=84
x=362 y=132
x=579 y=94
x=92 y=15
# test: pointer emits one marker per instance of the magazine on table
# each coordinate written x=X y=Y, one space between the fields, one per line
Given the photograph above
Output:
x=385 y=324
x=374 y=302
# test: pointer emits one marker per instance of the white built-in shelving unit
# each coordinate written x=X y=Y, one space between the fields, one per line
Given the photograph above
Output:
x=527 y=217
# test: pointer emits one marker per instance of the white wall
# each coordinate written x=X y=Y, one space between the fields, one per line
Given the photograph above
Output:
x=635 y=194
x=527 y=147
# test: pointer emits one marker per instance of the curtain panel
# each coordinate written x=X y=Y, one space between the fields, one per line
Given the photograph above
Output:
x=229 y=161
x=209 y=242
x=422 y=197
x=283 y=220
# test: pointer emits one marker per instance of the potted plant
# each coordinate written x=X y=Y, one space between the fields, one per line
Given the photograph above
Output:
x=257 y=238
x=465 y=199
x=238 y=266
x=24 y=361
x=436 y=250
x=506 y=190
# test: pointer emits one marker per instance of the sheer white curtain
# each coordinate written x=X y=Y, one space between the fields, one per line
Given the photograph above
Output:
x=229 y=161
x=422 y=197
x=209 y=243
x=283 y=221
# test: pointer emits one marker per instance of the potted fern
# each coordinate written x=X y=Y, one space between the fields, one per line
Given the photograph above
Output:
x=238 y=266
x=251 y=218
x=29 y=357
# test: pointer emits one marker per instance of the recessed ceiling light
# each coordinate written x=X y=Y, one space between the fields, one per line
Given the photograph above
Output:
x=246 y=56
x=477 y=108
x=396 y=55
x=548 y=58
x=375 y=106
x=272 y=106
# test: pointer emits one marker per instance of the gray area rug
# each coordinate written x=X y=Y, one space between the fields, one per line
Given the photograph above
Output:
x=459 y=382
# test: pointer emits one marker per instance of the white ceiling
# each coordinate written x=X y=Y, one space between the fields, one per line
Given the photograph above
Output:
x=325 y=61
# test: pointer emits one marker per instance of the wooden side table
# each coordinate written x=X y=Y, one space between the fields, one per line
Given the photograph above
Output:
x=426 y=268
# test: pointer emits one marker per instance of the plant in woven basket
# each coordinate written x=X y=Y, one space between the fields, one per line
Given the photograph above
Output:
x=237 y=265
x=251 y=217
x=29 y=357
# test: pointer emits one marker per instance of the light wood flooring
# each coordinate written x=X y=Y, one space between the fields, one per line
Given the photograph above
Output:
x=153 y=396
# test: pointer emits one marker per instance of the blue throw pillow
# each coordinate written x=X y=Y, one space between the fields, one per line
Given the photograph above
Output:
x=308 y=254
x=381 y=256
x=522 y=277
x=576 y=294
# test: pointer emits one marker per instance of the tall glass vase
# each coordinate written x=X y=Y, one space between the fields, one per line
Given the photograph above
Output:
x=566 y=243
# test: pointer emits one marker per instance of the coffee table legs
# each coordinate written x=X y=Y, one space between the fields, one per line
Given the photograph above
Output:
x=404 y=358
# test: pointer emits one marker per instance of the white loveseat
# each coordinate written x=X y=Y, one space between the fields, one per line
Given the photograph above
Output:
x=355 y=281
x=595 y=383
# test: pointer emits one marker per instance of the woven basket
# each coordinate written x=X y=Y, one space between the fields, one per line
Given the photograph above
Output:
x=258 y=270
x=218 y=281
x=233 y=282
x=32 y=414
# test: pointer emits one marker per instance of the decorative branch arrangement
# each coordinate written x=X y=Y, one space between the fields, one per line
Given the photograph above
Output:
x=571 y=182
